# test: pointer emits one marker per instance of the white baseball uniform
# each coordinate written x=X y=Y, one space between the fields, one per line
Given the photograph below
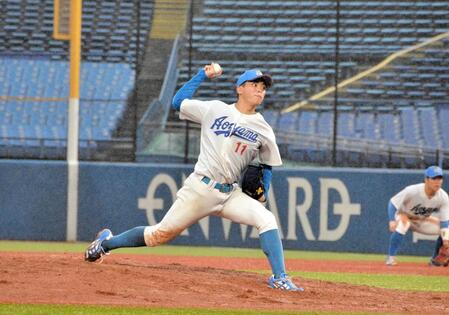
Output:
x=425 y=212
x=230 y=140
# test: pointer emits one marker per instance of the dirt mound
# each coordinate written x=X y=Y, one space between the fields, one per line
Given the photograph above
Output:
x=151 y=281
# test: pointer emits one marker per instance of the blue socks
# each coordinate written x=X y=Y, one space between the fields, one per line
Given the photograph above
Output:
x=395 y=241
x=130 y=238
x=272 y=247
x=438 y=244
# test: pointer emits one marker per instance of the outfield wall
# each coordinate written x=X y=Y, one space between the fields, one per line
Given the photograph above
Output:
x=317 y=208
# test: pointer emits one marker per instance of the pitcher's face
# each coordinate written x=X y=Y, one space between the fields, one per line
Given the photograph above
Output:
x=252 y=92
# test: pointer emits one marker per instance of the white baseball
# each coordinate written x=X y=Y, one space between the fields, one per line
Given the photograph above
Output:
x=217 y=68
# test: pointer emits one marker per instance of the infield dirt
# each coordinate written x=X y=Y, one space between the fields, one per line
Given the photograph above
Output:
x=203 y=282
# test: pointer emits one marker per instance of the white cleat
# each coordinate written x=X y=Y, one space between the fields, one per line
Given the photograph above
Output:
x=391 y=261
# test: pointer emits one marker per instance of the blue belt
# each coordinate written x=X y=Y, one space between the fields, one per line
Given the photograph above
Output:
x=224 y=188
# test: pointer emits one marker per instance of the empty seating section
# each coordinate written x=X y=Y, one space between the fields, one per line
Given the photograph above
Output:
x=294 y=41
x=288 y=122
x=300 y=36
x=307 y=122
x=325 y=123
x=34 y=71
x=420 y=77
x=424 y=126
x=428 y=127
x=365 y=125
x=109 y=29
x=35 y=99
x=443 y=118
x=345 y=126
x=409 y=125
x=389 y=127
x=308 y=26
x=291 y=78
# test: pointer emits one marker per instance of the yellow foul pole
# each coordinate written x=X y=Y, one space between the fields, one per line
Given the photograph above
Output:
x=73 y=119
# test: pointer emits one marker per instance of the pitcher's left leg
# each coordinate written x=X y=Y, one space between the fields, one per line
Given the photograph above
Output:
x=240 y=208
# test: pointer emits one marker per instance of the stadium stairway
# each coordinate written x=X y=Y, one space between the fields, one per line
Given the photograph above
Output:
x=169 y=18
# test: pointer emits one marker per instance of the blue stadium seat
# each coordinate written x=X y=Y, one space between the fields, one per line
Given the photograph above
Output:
x=429 y=127
x=288 y=122
x=346 y=124
x=325 y=123
x=307 y=122
x=410 y=126
x=364 y=125
x=271 y=117
x=28 y=27
x=107 y=84
x=443 y=115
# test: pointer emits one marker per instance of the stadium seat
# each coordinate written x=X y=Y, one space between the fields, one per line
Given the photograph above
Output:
x=101 y=82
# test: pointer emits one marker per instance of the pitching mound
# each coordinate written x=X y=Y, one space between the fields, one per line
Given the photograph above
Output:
x=153 y=281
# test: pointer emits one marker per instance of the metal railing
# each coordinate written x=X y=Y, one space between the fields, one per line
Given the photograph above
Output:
x=301 y=147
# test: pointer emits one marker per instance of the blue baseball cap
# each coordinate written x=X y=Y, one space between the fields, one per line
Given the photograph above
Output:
x=252 y=75
x=433 y=171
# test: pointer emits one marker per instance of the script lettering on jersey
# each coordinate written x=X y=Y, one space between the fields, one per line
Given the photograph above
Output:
x=221 y=126
x=423 y=211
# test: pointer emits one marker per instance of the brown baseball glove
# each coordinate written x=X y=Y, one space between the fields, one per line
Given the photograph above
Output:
x=442 y=258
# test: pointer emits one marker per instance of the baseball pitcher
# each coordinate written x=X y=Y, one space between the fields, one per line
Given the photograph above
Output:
x=232 y=137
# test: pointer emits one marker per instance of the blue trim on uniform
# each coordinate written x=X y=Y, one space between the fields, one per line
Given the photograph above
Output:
x=391 y=211
x=272 y=247
x=224 y=188
x=395 y=242
x=188 y=89
x=266 y=178
x=131 y=238
x=444 y=224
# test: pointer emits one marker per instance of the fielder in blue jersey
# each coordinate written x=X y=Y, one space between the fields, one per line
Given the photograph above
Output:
x=232 y=136
x=423 y=208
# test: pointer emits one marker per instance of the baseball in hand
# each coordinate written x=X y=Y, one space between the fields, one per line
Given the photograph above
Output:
x=217 y=68
x=213 y=70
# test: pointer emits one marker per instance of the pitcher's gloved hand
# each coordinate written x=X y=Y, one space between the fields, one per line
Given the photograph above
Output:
x=252 y=183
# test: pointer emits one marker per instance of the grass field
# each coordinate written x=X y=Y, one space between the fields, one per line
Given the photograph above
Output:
x=197 y=251
x=96 y=310
x=399 y=282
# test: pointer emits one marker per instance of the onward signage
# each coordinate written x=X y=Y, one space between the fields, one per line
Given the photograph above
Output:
x=326 y=209
x=296 y=213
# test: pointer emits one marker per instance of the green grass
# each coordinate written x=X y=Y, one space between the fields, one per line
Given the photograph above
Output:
x=197 y=251
x=14 y=309
x=386 y=281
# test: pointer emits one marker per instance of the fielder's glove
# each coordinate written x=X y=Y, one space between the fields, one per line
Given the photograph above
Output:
x=442 y=258
x=252 y=183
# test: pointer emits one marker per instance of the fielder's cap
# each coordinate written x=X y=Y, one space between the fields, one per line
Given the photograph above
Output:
x=252 y=75
x=433 y=171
